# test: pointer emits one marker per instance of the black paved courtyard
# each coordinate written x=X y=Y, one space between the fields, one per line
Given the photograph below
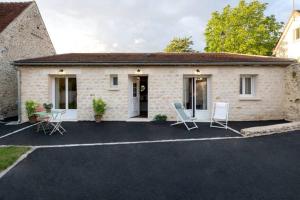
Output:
x=242 y=168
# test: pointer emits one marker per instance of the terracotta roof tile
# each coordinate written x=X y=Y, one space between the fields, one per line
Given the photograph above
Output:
x=9 y=11
x=152 y=58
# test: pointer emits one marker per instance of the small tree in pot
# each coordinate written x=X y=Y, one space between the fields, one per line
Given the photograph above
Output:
x=31 y=109
x=48 y=107
x=99 y=107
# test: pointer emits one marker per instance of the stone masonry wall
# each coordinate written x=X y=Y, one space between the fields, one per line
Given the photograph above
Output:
x=292 y=95
x=25 y=37
x=165 y=85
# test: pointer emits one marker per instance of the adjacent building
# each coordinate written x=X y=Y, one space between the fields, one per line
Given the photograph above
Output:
x=22 y=35
x=138 y=86
x=288 y=45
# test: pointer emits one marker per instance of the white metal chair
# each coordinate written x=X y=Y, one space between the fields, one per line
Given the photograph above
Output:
x=182 y=117
x=56 y=120
x=219 y=116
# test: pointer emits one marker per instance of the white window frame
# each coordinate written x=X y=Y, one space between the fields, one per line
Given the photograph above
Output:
x=112 y=76
x=66 y=92
x=253 y=85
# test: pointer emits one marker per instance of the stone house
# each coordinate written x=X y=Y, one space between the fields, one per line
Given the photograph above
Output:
x=138 y=86
x=289 y=43
x=22 y=35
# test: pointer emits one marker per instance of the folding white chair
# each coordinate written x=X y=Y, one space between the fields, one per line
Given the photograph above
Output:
x=183 y=118
x=56 y=120
x=219 y=116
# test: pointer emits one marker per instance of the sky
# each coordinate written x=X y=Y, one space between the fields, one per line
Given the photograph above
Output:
x=134 y=25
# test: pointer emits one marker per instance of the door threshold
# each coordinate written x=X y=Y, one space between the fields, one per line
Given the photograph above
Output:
x=138 y=119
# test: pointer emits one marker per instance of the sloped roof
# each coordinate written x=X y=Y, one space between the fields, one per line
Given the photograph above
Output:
x=152 y=59
x=9 y=11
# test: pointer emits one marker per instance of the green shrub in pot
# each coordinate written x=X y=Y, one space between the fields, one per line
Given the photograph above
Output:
x=31 y=106
x=48 y=107
x=99 y=107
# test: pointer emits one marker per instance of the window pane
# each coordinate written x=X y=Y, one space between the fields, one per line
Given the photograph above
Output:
x=247 y=85
x=115 y=80
x=72 y=93
x=241 y=85
x=201 y=94
x=134 y=88
x=297 y=33
x=188 y=91
x=60 y=93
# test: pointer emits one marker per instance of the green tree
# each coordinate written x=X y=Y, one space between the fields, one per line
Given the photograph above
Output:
x=180 y=45
x=243 y=29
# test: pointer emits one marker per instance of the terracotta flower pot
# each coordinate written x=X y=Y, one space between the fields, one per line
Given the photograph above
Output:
x=48 y=110
x=98 y=118
x=32 y=119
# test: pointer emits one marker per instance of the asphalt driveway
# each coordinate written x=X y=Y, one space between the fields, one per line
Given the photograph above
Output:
x=253 y=168
x=91 y=132
x=5 y=129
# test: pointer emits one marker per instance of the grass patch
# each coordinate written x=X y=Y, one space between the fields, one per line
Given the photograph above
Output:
x=8 y=155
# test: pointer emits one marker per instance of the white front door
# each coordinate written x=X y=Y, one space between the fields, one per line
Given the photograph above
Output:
x=65 y=96
x=196 y=97
x=134 y=96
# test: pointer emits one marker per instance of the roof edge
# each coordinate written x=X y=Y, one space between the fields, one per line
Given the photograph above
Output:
x=282 y=63
x=29 y=4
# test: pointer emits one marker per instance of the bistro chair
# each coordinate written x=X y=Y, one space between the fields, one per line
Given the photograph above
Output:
x=56 y=120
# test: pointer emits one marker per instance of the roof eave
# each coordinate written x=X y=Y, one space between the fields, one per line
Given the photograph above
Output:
x=277 y=63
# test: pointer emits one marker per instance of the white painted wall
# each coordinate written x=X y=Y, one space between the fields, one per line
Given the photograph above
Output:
x=288 y=47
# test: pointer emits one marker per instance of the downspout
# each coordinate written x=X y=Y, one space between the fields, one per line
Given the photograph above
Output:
x=19 y=95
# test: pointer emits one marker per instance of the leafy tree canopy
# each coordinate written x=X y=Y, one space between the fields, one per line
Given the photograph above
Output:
x=243 y=29
x=180 y=45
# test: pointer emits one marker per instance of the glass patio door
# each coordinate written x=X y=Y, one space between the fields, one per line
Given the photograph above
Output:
x=65 y=96
x=196 y=99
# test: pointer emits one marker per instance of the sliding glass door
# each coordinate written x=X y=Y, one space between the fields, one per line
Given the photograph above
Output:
x=195 y=97
x=65 y=95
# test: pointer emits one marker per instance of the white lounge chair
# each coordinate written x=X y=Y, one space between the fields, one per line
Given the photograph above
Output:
x=219 y=116
x=182 y=117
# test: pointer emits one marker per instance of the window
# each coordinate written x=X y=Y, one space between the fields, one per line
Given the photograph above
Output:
x=134 y=88
x=297 y=33
x=247 y=85
x=114 y=82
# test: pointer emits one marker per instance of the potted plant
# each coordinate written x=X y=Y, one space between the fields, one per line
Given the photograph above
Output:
x=160 y=118
x=31 y=109
x=99 y=107
x=48 y=107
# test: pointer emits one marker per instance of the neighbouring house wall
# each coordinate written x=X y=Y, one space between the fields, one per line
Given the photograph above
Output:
x=292 y=100
x=25 y=37
x=289 y=47
x=165 y=85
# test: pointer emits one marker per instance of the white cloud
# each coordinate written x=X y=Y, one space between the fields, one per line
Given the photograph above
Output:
x=133 y=25
x=139 y=41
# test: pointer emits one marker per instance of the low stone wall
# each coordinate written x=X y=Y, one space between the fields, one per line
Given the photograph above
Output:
x=272 y=129
x=292 y=93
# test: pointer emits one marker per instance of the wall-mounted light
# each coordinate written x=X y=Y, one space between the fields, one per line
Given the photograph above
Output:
x=61 y=71
x=198 y=72
x=138 y=71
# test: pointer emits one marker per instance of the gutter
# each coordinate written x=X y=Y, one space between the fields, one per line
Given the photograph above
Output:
x=19 y=95
x=148 y=64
